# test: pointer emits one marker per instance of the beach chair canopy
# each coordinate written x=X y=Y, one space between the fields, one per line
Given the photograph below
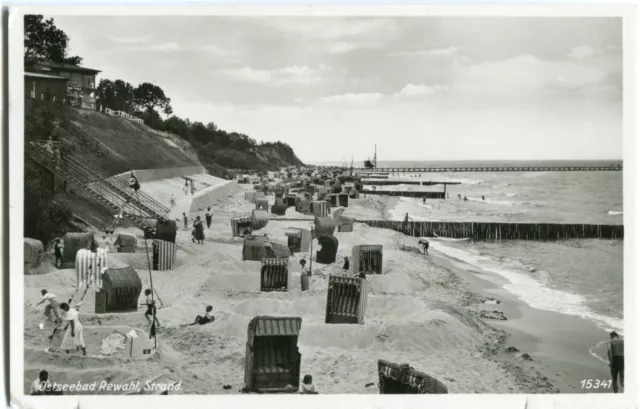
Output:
x=266 y=326
x=329 y=244
x=125 y=240
x=166 y=230
x=33 y=250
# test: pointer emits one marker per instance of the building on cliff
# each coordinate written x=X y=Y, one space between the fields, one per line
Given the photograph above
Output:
x=45 y=80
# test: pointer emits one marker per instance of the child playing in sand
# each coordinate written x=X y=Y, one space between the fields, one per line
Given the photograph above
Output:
x=73 y=336
x=51 y=310
x=40 y=385
x=307 y=386
x=425 y=246
x=207 y=318
x=150 y=314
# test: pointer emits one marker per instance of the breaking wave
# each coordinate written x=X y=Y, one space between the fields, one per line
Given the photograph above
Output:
x=529 y=285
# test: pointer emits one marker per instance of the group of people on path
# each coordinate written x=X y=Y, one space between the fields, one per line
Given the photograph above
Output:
x=197 y=234
x=188 y=185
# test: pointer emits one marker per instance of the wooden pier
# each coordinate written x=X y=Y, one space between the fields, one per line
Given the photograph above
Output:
x=405 y=182
x=490 y=231
x=617 y=168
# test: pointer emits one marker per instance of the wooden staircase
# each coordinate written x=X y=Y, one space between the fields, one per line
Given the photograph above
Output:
x=89 y=178
x=121 y=185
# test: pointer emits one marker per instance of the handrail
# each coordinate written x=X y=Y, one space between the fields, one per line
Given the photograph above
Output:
x=142 y=198
x=121 y=190
x=70 y=171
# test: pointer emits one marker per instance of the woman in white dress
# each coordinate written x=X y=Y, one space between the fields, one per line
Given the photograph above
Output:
x=73 y=335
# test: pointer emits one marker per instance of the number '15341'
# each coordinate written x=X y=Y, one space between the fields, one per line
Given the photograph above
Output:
x=595 y=383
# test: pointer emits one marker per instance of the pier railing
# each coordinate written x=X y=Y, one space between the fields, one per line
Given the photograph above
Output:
x=494 y=169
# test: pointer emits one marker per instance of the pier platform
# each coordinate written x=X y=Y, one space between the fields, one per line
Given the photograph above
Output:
x=495 y=169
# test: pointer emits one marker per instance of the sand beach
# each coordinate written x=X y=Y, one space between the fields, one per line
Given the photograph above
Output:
x=424 y=311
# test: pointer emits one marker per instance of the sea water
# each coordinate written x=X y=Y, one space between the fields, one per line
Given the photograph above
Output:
x=575 y=277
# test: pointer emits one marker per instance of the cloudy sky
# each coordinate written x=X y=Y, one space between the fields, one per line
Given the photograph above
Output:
x=421 y=88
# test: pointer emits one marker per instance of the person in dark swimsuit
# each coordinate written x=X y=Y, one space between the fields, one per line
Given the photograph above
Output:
x=345 y=267
x=208 y=217
x=57 y=251
x=615 y=353
x=151 y=312
x=207 y=318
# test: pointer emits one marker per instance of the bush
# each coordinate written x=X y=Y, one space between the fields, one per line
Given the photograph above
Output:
x=44 y=218
x=47 y=119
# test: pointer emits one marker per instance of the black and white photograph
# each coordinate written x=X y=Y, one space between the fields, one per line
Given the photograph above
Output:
x=315 y=203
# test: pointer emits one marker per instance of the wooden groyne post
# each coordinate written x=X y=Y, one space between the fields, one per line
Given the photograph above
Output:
x=490 y=231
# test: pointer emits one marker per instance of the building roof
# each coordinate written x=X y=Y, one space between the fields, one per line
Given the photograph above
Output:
x=65 y=67
x=38 y=75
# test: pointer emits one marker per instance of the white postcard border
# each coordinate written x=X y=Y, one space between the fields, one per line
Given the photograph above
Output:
x=630 y=183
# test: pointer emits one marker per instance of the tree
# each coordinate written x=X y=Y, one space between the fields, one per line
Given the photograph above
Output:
x=116 y=95
x=105 y=93
x=43 y=41
x=148 y=97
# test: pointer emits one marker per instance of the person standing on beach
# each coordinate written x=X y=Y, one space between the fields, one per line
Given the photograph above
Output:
x=615 y=353
x=405 y=224
x=186 y=220
x=185 y=189
x=172 y=201
x=304 y=275
x=199 y=230
x=208 y=216
x=345 y=266
x=57 y=251
x=151 y=312
x=73 y=336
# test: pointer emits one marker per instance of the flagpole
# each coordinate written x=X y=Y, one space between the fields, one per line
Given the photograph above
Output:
x=311 y=252
x=153 y=302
